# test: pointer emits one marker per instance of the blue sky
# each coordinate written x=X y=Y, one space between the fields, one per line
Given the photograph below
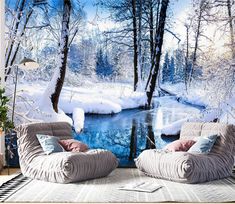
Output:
x=177 y=6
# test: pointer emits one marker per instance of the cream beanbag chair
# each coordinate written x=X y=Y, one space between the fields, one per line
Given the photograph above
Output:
x=192 y=167
x=61 y=167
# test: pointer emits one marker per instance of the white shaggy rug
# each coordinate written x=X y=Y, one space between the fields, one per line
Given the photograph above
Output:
x=106 y=190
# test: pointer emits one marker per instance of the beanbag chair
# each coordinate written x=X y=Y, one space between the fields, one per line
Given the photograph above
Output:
x=60 y=167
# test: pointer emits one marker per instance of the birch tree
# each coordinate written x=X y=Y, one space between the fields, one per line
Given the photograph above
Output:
x=19 y=18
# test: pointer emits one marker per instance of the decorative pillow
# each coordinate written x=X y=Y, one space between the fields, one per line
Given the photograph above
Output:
x=72 y=145
x=203 y=144
x=179 y=145
x=50 y=144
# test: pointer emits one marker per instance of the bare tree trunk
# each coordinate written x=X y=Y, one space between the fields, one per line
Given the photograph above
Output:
x=231 y=28
x=136 y=74
x=198 y=32
x=151 y=28
x=186 y=58
x=140 y=62
x=64 y=42
x=152 y=50
x=158 y=50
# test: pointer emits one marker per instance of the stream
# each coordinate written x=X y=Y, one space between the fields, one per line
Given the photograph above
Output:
x=130 y=132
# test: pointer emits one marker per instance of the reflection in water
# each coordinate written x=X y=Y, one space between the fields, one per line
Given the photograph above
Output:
x=150 y=141
x=146 y=131
x=133 y=142
x=130 y=132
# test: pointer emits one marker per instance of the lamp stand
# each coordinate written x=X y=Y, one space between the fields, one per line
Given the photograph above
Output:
x=14 y=97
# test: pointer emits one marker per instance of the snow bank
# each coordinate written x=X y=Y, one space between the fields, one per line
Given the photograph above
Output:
x=96 y=106
x=78 y=119
x=194 y=100
x=101 y=98
x=97 y=98
x=195 y=96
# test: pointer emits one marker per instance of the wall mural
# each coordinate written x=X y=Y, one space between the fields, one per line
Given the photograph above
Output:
x=125 y=74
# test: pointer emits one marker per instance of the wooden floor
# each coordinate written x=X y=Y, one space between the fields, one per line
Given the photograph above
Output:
x=7 y=174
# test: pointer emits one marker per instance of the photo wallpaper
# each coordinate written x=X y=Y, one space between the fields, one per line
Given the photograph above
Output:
x=125 y=74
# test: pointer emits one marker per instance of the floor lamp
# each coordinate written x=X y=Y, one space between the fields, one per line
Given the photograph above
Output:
x=25 y=64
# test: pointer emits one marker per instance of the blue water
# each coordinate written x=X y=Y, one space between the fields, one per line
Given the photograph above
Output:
x=130 y=132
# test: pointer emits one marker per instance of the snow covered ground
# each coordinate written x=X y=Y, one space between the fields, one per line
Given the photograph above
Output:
x=97 y=98
x=195 y=96
x=224 y=112
x=110 y=98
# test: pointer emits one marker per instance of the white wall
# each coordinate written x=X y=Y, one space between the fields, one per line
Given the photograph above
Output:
x=2 y=62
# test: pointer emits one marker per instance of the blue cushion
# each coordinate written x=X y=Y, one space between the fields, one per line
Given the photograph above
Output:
x=203 y=144
x=50 y=144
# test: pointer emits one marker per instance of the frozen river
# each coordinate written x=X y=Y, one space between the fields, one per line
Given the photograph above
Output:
x=128 y=133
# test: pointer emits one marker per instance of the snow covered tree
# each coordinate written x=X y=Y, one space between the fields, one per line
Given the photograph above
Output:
x=65 y=34
x=75 y=58
x=63 y=52
x=87 y=47
x=223 y=12
x=129 y=13
x=202 y=8
x=179 y=66
x=124 y=12
x=231 y=12
x=17 y=18
x=122 y=63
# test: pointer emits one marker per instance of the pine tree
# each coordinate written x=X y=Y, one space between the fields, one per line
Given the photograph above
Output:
x=179 y=66
x=103 y=66
x=99 y=63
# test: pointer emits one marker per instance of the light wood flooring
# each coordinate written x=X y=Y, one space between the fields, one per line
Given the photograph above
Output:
x=6 y=174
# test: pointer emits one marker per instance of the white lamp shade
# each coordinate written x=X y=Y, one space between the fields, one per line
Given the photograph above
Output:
x=28 y=64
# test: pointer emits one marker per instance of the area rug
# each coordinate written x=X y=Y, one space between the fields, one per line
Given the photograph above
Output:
x=23 y=189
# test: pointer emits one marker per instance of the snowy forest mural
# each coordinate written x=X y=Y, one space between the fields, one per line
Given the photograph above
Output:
x=169 y=61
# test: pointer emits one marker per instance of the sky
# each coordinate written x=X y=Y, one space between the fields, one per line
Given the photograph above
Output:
x=177 y=7
x=178 y=12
